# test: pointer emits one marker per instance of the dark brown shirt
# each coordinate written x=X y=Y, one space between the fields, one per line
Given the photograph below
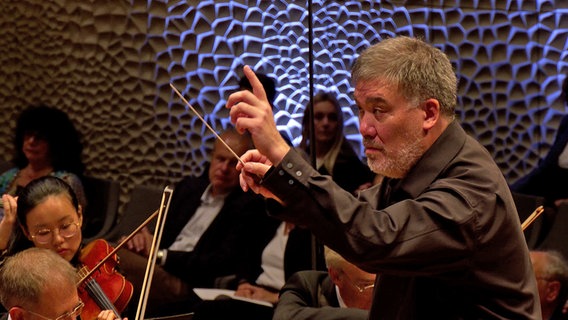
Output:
x=446 y=239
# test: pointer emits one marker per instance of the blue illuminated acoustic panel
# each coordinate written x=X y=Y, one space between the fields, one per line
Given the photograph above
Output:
x=110 y=66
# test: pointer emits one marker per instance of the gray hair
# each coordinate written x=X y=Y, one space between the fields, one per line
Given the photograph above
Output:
x=419 y=70
x=333 y=259
x=24 y=276
x=556 y=268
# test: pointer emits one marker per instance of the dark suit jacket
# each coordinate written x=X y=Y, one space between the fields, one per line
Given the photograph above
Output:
x=230 y=237
x=297 y=256
x=311 y=295
x=548 y=179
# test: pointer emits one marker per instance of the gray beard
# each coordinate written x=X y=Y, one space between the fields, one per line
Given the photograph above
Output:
x=398 y=163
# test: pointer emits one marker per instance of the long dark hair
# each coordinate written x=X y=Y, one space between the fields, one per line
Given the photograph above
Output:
x=55 y=127
x=32 y=195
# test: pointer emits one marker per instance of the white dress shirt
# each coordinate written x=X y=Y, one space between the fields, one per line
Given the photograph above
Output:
x=273 y=260
x=199 y=222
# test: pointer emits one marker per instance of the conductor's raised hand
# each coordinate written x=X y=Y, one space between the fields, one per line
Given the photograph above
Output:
x=251 y=111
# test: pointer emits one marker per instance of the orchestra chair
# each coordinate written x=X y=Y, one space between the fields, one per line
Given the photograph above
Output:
x=144 y=200
x=99 y=216
x=526 y=204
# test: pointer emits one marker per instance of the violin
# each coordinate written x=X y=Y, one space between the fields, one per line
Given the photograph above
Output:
x=116 y=293
x=103 y=288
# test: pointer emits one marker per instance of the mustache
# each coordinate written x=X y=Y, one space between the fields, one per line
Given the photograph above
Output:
x=369 y=143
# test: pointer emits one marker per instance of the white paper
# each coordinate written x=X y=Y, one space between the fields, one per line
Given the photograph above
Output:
x=214 y=294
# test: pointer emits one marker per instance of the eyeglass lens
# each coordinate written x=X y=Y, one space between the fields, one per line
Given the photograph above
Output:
x=67 y=230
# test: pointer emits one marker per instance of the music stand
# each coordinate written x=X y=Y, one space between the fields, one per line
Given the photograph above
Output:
x=164 y=207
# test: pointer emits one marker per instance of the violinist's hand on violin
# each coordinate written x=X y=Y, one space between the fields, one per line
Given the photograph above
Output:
x=255 y=166
x=141 y=242
x=8 y=220
x=108 y=315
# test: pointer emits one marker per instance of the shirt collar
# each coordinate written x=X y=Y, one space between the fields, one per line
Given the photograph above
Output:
x=339 y=299
x=434 y=160
x=208 y=197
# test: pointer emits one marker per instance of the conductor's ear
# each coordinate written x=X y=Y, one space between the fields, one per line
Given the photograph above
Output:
x=431 y=109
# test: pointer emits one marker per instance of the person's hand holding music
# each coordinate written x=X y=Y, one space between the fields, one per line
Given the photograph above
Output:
x=251 y=291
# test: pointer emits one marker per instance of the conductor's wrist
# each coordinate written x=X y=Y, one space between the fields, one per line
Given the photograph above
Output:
x=278 y=153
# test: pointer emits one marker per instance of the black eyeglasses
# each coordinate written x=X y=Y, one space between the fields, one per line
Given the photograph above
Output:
x=71 y=315
x=66 y=230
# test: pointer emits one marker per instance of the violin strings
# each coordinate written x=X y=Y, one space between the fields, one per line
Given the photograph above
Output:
x=206 y=124
x=96 y=292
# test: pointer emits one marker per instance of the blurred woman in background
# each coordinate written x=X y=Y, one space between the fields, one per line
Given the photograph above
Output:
x=46 y=143
x=334 y=155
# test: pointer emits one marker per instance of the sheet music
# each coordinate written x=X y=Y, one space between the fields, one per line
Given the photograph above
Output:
x=214 y=294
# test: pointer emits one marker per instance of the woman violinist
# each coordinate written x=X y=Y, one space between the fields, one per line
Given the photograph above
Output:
x=50 y=217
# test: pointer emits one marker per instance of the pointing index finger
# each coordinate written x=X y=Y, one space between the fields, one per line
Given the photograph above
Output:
x=257 y=87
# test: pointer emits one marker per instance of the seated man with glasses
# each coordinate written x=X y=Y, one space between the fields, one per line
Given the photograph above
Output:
x=551 y=272
x=38 y=284
x=344 y=292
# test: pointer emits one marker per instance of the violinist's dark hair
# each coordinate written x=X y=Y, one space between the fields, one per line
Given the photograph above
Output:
x=55 y=127
x=33 y=194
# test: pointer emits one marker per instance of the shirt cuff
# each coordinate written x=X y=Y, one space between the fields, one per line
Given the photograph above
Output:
x=161 y=257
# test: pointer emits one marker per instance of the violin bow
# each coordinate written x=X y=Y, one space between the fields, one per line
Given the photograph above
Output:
x=162 y=213
x=206 y=124
x=528 y=221
x=119 y=246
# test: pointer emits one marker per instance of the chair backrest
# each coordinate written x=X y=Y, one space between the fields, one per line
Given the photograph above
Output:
x=526 y=204
x=144 y=200
x=102 y=206
x=557 y=236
